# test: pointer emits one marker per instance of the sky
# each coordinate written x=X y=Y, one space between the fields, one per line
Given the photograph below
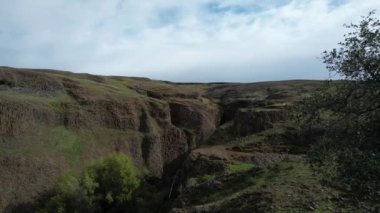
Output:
x=178 y=40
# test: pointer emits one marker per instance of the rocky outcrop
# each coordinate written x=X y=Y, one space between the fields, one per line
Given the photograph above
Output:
x=198 y=164
x=198 y=118
x=248 y=121
x=230 y=107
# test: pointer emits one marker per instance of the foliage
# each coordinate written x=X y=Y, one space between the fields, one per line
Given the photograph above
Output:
x=240 y=167
x=67 y=196
x=110 y=181
x=346 y=113
x=106 y=184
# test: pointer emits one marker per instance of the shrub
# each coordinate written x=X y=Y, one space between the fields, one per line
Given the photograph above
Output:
x=110 y=181
x=106 y=184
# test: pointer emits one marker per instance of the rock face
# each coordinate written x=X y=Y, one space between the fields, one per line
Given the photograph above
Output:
x=198 y=165
x=248 y=121
x=198 y=118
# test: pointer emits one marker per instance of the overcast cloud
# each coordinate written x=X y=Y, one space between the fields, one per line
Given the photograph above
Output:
x=177 y=40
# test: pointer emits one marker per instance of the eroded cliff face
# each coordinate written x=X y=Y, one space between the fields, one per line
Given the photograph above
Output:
x=155 y=131
x=249 y=121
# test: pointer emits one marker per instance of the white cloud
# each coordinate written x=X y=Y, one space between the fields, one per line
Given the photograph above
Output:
x=199 y=40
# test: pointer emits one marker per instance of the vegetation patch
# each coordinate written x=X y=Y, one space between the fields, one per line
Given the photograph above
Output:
x=240 y=167
x=44 y=141
x=106 y=185
x=290 y=186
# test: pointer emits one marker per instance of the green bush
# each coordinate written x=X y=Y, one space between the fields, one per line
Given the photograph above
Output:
x=106 y=184
x=66 y=197
x=110 y=181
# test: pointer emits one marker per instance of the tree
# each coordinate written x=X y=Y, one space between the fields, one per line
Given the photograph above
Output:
x=105 y=185
x=110 y=181
x=348 y=112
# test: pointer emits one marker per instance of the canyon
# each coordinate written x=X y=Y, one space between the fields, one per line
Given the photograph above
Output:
x=188 y=139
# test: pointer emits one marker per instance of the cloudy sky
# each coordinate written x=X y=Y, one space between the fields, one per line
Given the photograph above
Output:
x=177 y=40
